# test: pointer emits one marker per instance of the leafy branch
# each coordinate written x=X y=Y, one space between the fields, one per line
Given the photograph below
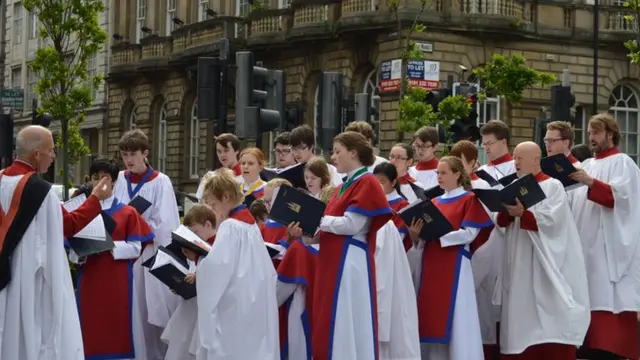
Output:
x=633 y=19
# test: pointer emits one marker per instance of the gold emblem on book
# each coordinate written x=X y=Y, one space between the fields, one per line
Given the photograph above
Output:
x=294 y=207
x=559 y=168
x=427 y=219
x=524 y=191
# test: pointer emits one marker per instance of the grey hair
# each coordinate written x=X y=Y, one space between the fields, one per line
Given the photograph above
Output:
x=29 y=140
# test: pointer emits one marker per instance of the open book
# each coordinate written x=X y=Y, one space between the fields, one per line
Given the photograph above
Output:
x=185 y=238
x=168 y=268
x=93 y=238
x=435 y=223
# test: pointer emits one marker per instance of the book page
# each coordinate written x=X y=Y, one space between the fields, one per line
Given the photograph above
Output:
x=95 y=230
x=186 y=233
x=162 y=259
x=75 y=203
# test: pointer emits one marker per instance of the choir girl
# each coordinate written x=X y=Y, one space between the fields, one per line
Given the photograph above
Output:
x=317 y=177
x=252 y=162
x=401 y=155
x=387 y=175
x=273 y=232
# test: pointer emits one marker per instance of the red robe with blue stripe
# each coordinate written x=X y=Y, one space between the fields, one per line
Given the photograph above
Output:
x=365 y=197
x=298 y=266
x=397 y=205
x=441 y=268
x=105 y=291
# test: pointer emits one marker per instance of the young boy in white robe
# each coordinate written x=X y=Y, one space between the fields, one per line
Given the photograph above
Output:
x=236 y=283
x=141 y=180
x=179 y=332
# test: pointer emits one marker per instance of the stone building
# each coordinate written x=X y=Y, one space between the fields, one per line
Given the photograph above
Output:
x=152 y=79
x=22 y=42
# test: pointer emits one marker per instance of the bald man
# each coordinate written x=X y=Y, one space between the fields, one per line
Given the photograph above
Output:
x=38 y=314
x=542 y=286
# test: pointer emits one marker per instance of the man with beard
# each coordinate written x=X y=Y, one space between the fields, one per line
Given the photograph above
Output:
x=607 y=212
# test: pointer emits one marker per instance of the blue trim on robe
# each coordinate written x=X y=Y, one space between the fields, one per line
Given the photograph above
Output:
x=306 y=328
x=403 y=230
x=369 y=213
x=350 y=241
x=270 y=224
x=284 y=352
x=142 y=239
x=393 y=201
x=284 y=243
x=473 y=224
x=312 y=250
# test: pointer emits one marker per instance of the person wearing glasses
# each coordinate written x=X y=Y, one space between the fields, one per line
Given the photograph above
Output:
x=303 y=144
x=401 y=156
x=559 y=139
x=495 y=142
x=282 y=152
x=425 y=144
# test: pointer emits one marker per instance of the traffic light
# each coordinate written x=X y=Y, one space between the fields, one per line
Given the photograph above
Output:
x=258 y=110
x=562 y=100
x=467 y=128
x=330 y=108
x=209 y=85
x=7 y=141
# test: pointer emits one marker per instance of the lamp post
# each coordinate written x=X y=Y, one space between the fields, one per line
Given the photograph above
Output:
x=596 y=45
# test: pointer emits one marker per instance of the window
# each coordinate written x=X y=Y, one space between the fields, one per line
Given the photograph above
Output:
x=92 y=70
x=16 y=78
x=202 y=10
x=162 y=139
x=194 y=144
x=171 y=13
x=371 y=87
x=623 y=105
x=141 y=12
x=242 y=9
x=32 y=81
x=33 y=26
x=17 y=23
x=284 y=4
x=133 y=119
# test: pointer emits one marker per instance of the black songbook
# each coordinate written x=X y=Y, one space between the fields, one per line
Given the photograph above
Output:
x=505 y=181
x=433 y=192
x=85 y=247
x=435 y=224
x=185 y=238
x=526 y=189
x=420 y=193
x=295 y=175
x=559 y=167
x=249 y=199
x=291 y=205
x=169 y=269
x=274 y=249
x=486 y=177
x=109 y=223
x=140 y=204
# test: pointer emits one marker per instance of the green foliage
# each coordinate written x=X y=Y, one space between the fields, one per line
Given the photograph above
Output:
x=71 y=33
x=509 y=76
x=260 y=5
x=633 y=18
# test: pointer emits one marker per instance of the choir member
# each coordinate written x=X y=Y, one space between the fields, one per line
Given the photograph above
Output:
x=559 y=139
x=107 y=299
x=252 y=162
x=495 y=142
x=38 y=314
x=366 y=130
x=468 y=153
x=180 y=330
x=273 y=232
x=228 y=147
x=543 y=284
x=303 y=144
x=607 y=212
x=139 y=179
x=317 y=177
x=260 y=211
x=447 y=309
x=582 y=152
x=425 y=143
x=236 y=283
x=282 y=151
x=387 y=175
x=344 y=304
x=401 y=155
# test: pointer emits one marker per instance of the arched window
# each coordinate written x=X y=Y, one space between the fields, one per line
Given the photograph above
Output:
x=133 y=118
x=162 y=138
x=194 y=142
x=623 y=105
x=371 y=87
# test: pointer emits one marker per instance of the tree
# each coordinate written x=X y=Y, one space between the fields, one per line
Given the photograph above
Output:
x=633 y=19
x=71 y=33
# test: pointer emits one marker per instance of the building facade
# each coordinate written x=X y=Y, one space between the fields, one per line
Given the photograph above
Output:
x=152 y=79
x=22 y=42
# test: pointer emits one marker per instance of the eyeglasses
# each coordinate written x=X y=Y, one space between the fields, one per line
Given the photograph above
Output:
x=551 y=141
x=422 y=147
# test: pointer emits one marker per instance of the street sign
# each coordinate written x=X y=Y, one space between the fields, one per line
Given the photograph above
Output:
x=13 y=98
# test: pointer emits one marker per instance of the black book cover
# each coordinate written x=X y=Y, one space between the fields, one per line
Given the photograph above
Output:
x=486 y=177
x=140 y=204
x=249 y=199
x=85 y=247
x=109 y=224
x=171 y=276
x=295 y=175
x=182 y=242
x=435 y=224
x=420 y=193
x=176 y=253
x=291 y=205
x=559 y=167
x=505 y=181
x=433 y=192
x=526 y=189
x=273 y=249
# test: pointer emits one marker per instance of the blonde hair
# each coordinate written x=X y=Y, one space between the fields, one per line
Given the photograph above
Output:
x=456 y=166
x=277 y=182
x=318 y=166
x=327 y=193
x=221 y=183
x=257 y=153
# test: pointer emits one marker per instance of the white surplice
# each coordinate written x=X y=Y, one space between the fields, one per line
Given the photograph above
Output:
x=207 y=176
x=543 y=285
x=157 y=303
x=398 y=335
x=379 y=160
x=610 y=236
x=336 y=177
x=178 y=335
x=237 y=306
x=38 y=312
x=408 y=193
x=426 y=178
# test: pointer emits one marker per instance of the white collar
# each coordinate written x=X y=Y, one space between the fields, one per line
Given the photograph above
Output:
x=393 y=195
x=453 y=193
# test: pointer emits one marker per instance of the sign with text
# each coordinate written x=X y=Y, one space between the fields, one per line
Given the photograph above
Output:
x=13 y=98
x=422 y=73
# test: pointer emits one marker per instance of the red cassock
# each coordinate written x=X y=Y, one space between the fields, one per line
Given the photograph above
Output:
x=105 y=291
x=274 y=233
x=298 y=266
x=365 y=197
x=441 y=268
x=397 y=205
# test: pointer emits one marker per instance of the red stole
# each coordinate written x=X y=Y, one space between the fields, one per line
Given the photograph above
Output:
x=502 y=159
x=405 y=179
x=6 y=218
x=297 y=267
x=428 y=165
x=241 y=213
x=441 y=268
x=607 y=152
x=105 y=291
x=363 y=196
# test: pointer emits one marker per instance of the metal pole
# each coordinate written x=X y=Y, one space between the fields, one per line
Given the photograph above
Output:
x=225 y=52
x=596 y=45
x=65 y=158
x=3 y=49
